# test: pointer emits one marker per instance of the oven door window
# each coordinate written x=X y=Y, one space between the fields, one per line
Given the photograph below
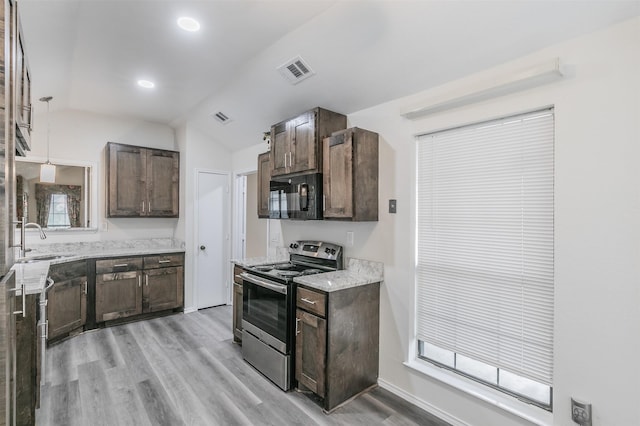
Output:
x=265 y=309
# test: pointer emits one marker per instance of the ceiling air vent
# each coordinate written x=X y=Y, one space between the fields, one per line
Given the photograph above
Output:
x=221 y=117
x=295 y=70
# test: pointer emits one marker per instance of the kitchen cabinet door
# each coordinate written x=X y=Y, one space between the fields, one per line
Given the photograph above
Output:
x=304 y=146
x=280 y=142
x=338 y=176
x=264 y=177
x=311 y=349
x=142 y=182
x=296 y=143
x=237 y=312
x=126 y=180
x=161 y=183
x=163 y=289
x=118 y=295
x=350 y=175
x=67 y=306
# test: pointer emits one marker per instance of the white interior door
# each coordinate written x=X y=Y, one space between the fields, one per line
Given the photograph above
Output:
x=212 y=236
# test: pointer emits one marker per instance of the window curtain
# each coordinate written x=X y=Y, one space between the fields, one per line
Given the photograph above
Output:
x=43 y=200
x=485 y=270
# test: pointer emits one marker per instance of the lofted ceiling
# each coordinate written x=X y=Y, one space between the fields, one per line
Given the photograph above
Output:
x=88 y=54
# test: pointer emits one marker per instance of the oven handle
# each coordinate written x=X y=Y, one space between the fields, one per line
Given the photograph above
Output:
x=282 y=289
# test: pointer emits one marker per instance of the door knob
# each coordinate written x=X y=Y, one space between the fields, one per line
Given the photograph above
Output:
x=202 y=247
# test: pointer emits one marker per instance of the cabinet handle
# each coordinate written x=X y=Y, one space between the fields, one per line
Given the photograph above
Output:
x=143 y=207
x=164 y=261
x=85 y=287
x=285 y=159
x=148 y=206
x=297 y=322
x=324 y=202
x=311 y=302
x=290 y=159
x=46 y=329
x=146 y=280
x=120 y=265
x=139 y=280
x=22 y=288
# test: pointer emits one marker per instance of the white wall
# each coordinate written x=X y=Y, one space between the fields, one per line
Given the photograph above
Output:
x=198 y=152
x=597 y=227
x=80 y=136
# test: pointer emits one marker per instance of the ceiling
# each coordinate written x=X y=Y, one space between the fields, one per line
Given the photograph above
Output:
x=88 y=54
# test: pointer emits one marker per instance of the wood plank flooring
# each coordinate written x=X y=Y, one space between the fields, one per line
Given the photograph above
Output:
x=184 y=369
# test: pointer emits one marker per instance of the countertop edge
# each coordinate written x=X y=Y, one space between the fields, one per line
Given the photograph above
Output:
x=34 y=275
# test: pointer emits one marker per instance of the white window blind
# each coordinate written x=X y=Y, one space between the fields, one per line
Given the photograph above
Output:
x=485 y=280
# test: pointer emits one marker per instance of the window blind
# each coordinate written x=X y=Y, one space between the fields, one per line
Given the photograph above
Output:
x=485 y=274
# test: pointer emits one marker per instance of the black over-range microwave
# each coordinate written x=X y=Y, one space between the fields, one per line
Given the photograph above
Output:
x=297 y=197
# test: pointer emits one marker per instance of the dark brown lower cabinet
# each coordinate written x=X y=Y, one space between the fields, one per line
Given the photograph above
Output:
x=27 y=378
x=67 y=307
x=337 y=342
x=237 y=304
x=311 y=349
x=163 y=289
x=126 y=287
x=118 y=295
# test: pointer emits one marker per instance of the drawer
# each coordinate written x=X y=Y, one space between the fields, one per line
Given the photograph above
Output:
x=68 y=270
x=237 y=270
x=121 y=264
x=163 y=261
x=311 y=301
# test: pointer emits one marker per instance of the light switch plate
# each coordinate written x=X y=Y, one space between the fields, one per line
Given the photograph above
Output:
x=392 y=206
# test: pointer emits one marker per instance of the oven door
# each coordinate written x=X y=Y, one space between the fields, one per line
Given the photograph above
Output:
x=266 y=307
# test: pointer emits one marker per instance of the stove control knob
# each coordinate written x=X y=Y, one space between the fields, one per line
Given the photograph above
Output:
x=327 y=250
x=293 y=245
x=333 y=251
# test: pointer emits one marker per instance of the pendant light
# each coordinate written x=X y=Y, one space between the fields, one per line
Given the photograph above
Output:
x=48 y=170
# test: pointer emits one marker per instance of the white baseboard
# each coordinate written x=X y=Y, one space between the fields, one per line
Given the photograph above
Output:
x=422 y=404
x=190 y=309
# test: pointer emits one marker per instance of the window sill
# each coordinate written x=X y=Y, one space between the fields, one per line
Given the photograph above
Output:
x=510 y=404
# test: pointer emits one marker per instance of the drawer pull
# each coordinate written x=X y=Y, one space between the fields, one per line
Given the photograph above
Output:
x=297 y=322
x=311 y=302
x=120 y=265
x=164 y=261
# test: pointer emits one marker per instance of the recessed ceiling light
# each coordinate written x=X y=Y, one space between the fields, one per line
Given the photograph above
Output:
x=146 y=84
x=188 y=24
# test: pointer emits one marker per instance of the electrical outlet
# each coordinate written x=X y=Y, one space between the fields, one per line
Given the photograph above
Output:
x=350 y=238
x=581 y=412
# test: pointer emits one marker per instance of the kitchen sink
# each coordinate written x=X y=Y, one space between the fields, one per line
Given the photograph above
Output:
x=41 y=258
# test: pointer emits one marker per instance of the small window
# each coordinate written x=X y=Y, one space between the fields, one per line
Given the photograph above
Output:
x=58 y=212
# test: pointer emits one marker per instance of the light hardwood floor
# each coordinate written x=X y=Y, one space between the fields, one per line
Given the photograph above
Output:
x=184 y=369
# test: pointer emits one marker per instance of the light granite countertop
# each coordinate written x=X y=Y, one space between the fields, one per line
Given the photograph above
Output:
x=34 y=275
x=359 y=272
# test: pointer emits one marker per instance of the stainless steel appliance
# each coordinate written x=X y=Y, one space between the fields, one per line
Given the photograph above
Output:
x=296 y=197
x=268 y=307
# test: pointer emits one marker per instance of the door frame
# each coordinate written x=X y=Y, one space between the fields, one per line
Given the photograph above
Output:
x=196 y=245
x=239 y=215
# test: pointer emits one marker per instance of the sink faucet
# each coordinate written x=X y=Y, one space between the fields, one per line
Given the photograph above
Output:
x=25 y=225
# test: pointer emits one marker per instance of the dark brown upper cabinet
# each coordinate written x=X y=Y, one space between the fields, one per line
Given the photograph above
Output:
x=264 y=176
x=296 y=143
x=350 y=175
x=22 y=87
x=142 y=182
